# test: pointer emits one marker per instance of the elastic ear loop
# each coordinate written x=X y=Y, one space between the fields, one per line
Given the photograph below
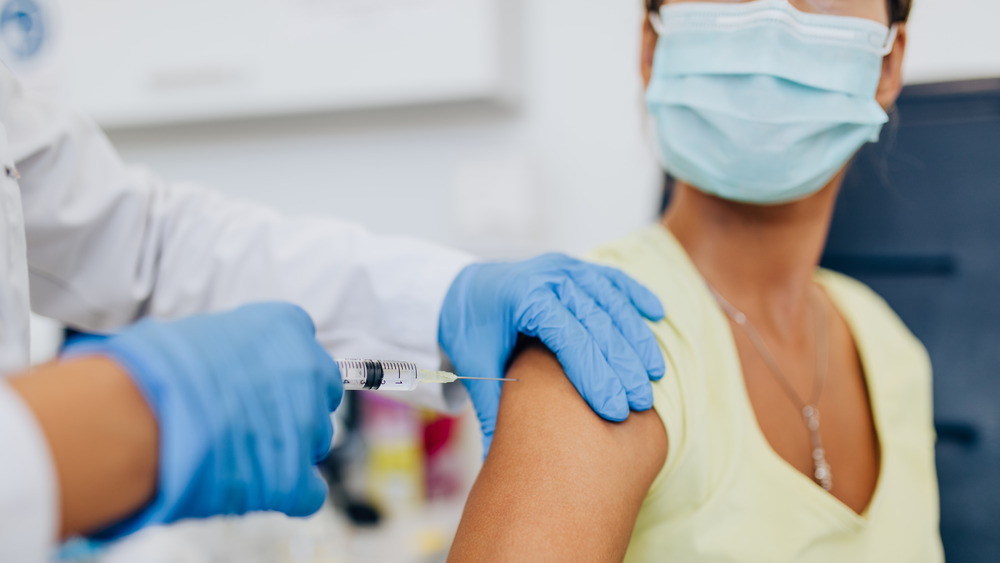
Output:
x=890 y=41
x=656 y=22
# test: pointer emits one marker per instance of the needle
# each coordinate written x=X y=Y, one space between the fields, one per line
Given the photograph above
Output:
x=431 y=376
x=487 y=378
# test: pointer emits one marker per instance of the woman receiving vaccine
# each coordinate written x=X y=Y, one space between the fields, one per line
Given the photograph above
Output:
x=794 y=423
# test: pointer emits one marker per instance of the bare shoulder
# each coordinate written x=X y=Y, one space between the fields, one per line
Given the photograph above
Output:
x=560 y=483
x=545 y=398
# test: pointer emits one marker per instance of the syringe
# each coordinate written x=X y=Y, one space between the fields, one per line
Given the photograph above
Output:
x=360 y=375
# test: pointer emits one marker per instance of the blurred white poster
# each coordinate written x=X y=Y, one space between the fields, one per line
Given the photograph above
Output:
x=139 y=62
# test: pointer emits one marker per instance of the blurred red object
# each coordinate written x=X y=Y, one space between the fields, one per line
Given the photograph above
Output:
x=442 y=465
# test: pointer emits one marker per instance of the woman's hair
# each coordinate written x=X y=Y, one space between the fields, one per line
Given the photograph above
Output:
x=899 y=10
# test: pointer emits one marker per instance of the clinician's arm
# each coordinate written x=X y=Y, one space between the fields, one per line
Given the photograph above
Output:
x=560 y=483
x=209 y=415
x=109 y=243
x=102 y=438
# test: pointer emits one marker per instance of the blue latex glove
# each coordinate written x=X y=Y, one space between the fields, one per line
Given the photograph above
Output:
x=590 y=316
x=243 y=402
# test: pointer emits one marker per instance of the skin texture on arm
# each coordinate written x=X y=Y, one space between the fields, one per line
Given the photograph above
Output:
x=102 y=436
x=560 y=483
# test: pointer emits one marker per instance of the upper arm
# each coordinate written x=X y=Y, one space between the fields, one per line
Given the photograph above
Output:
x=560 y=483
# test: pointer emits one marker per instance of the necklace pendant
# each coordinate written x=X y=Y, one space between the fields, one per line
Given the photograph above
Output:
x=811 y=414
x=822 y=472
x=821 y=469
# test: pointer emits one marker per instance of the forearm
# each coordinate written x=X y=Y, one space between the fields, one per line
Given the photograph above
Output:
x=102 y=436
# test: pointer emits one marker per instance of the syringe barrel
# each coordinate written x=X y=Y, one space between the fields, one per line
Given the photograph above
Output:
x=360 y=375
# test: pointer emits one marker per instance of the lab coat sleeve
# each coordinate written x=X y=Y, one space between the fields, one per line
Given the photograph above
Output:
x=109 y=243
x=28 y=487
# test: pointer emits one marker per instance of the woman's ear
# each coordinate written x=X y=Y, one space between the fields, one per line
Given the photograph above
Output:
x=649 y=39
x=892 y=71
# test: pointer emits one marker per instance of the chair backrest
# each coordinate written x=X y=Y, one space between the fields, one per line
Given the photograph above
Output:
x=919 y=221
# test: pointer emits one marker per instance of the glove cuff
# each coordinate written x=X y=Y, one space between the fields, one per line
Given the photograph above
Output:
x=151 y=373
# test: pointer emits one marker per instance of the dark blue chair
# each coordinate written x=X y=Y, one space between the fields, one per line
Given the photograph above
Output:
x=919 y=221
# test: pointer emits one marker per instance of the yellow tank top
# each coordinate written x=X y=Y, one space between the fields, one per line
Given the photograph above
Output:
x=724 y=494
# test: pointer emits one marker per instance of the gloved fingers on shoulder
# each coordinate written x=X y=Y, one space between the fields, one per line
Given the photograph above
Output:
x=626 y=320
x=617 y=352
x=551 y=266
x=645 y=300
x=555 y=259
x=578 y=300
x=582 y=360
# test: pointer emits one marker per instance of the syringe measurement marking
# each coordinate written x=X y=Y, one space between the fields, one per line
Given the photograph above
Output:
x=374 y=375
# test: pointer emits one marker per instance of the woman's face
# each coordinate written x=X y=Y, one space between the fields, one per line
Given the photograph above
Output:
x=876 y=10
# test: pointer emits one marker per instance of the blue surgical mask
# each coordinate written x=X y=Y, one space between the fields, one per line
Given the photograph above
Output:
x=760 y=103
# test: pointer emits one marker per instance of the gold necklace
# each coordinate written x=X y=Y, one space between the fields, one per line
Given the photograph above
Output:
x=822 y=473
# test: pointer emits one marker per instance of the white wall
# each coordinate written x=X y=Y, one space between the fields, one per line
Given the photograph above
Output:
x=252 y=58
x=953 y=40
x=571 y=154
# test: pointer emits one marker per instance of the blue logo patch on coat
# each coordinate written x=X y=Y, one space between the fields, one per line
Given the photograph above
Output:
x=23 y=28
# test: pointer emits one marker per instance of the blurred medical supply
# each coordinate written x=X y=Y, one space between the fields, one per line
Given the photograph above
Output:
x=378 y=375
x=395 y=455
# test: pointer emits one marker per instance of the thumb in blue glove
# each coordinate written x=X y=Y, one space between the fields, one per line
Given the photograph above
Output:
x=590 y=316
x=243 y=402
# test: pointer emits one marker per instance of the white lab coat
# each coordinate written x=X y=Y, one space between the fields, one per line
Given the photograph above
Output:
x=101 y=244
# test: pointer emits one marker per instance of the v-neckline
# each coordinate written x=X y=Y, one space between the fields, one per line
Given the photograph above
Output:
x=869 y=366
x=798 y=479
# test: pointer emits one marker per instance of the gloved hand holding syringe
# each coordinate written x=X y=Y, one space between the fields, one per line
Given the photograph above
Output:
x=372 y=375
